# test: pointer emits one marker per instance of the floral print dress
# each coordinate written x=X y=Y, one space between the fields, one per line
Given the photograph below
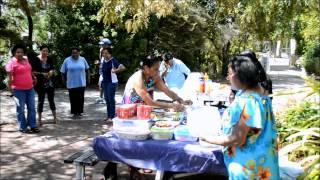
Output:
x=257 y=157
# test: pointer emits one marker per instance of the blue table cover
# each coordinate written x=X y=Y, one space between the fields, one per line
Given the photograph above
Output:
x=161 y=155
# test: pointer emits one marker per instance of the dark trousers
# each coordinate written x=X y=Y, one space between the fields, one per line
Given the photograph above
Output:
x=42 y=95
x=76 y=96
x=109 y=95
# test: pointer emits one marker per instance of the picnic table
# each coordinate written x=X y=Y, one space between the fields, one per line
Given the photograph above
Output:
x=161 y=155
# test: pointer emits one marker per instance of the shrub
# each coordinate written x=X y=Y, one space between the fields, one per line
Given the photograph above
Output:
x=299 y=135
x=3 y=74
x=312 y=60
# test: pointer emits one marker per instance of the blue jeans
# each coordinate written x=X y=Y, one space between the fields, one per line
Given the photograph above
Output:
x=109 y=95
x=22 y=98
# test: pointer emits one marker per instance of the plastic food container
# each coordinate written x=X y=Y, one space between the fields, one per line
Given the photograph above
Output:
x=126 y=111
x=132 y=135
x=159 y=133
x=204 y=120
x=134 y=124
x=181 y=133
x=144 y=112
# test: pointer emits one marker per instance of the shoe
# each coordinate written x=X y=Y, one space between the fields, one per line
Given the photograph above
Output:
x=100 y=100
x=76 y=116
x=35 y=130
x=24 y=131
x=108 y=121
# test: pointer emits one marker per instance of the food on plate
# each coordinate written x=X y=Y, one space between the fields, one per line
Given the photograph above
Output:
x=163 y=124
x=153 y=116
x=161 y=133
x=176 y=116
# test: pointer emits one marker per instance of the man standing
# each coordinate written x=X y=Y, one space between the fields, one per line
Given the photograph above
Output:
x=74 y=70
x=173 y=71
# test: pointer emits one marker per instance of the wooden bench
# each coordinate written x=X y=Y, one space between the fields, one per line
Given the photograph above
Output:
x=81 y=159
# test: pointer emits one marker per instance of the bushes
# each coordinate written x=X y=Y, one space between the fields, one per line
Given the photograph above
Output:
x=3 y=74
x=299 y=132
x=299 y=135
x=312 y=60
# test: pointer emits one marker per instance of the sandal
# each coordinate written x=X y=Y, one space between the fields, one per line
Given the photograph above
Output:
x=147 y=171
x=35 y=130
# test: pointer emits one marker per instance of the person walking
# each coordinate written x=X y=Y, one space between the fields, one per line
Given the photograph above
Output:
x=42 y=67
x=20 y=83
x=74 y=70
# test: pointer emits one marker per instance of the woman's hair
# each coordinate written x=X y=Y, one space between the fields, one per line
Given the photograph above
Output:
x=109 y=49
x=43 y=47
x=149 y=61
x=18 y=46
x=248 y=69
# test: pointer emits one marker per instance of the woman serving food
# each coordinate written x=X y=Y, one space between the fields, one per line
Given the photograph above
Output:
x=140 y=86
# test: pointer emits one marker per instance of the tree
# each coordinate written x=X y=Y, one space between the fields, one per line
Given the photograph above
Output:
x=25 y=8
x=133 y=13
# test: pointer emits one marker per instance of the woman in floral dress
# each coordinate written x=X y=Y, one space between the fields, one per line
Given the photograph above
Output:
x=249 y=129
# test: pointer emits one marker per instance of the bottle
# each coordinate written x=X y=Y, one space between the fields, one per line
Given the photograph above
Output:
x=202 y=85
x=206 y=77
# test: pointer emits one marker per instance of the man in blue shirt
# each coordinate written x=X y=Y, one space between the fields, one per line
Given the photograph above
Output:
x=74 y=73
x=173 y=71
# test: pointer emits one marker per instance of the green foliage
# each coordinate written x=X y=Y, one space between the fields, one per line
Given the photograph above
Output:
x=307 y=29
x=299 y=135
x=134 y=14
x=73 y=26
x=3 y=74
x=314 y=85
x=312 y=60
x=312 y=172
x=301 y=116
x=202 y=33
x=184 y=27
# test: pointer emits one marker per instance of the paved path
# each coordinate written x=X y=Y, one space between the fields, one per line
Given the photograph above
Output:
x=40 y=156
x=92 y=110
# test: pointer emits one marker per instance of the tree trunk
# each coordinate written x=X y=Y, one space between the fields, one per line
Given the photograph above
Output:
x=278 y=49
x=225 y=58
x=25 y=8
x=292 y=56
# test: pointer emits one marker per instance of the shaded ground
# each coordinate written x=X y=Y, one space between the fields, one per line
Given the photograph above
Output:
x=40 y=156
